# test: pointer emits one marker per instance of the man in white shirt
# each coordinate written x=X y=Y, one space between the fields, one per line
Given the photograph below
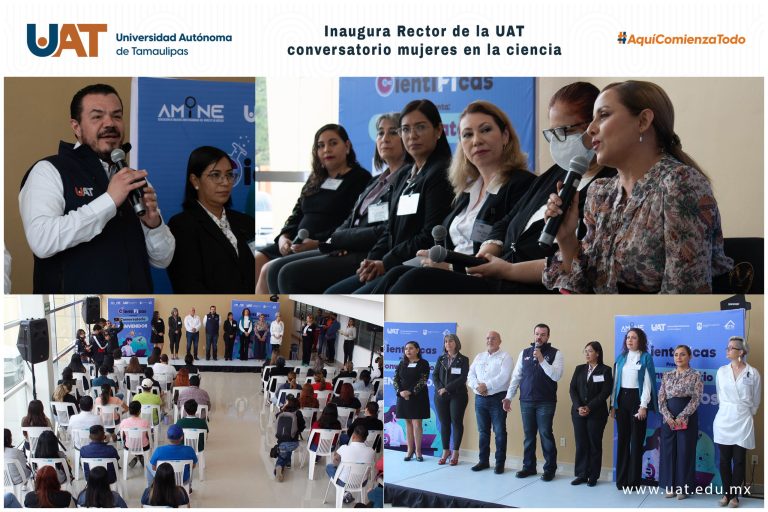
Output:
x=355 y=451
x=488 y=377
x=163 y=367
x=85 y=418
x=192 y=326
x=536 y=373
x=75 y=208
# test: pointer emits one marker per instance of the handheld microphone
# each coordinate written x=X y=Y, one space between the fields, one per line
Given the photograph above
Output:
x=136 y=197
x=576 y=169
x=300 y=236
x=440 y=254
x=438 y=234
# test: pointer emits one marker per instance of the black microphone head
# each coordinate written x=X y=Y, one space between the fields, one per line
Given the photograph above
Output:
x=438 y=253
x=579 y=164
x=439 y=232
x=127 y=147
x=303 y=233
x=117 y=155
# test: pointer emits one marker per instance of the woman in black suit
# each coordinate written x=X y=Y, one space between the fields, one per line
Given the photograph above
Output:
x=307 y=339
x=212 y=241
x=230 y=331
x=591 y=386
x=175 y=324
x=450 y=381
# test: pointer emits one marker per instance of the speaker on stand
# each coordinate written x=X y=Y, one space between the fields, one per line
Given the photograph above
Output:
x=33 y=344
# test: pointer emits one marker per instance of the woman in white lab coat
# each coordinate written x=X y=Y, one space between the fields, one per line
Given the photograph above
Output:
x=738 y=391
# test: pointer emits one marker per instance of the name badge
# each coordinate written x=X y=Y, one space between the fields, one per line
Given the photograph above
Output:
x=455 y=371
x=378 y=213
x=480 y=231
x=412 y=365
x=331 y=184
x=526 y=358
x=598 y=378
x=408 y=204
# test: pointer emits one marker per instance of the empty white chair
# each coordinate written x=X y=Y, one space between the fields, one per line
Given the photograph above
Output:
x=323 y=397
x=346 y=416
x=326 y=445
x=178 y=469
x=192 y=438
x=57 y=463
x=134 y=441
x=350 y=477
x=32 y=434
x=18 y=469
x=151 y=413
x=80 y=437
x=93 y=462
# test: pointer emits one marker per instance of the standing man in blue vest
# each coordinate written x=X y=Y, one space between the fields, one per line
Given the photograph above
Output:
x=488 y=377
x=536 y=373
x=211 y=334
x=76 y=214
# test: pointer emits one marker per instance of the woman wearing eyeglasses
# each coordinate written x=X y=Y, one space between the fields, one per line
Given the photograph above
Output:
x=655 y=227
x=212 y=253
x=738 y=390
x=515 y=259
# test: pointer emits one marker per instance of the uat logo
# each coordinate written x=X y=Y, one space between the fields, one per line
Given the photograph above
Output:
x=82 y=38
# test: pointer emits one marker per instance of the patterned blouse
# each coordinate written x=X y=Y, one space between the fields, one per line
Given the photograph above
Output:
x=665 y=238
x=676 y=384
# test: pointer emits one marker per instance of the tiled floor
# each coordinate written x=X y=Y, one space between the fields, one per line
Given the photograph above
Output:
x=238 y=468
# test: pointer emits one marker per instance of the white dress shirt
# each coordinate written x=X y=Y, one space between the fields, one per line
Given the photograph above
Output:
x=348 y=333
x=629 y=375
x=493 y=370
x=739 y=399
x=554 y=371
x=49 y=231
x=462 y=225
x=192 y=323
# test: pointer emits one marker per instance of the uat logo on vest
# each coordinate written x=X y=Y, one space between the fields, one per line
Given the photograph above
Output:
x=82 y=38
x=84 y=191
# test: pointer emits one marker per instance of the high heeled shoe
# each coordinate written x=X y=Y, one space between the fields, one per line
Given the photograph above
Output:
x=408 y=457
x=455 y=459
x=442 y=460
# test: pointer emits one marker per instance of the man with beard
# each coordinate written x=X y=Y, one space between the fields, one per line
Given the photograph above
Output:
x=77 y=219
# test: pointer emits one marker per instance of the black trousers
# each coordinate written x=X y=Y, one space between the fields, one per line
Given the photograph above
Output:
x=588 y=434
x=450 y=412
x=732 y=454
x=435 y=280
x=631 y=437
x=175 y=342
x=229 y=344
x=677 y=459
x=349 y=347
x=245 y=342
x=306 y=349
x=289 y=273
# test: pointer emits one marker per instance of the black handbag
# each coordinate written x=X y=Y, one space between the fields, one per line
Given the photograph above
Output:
x=274 y=451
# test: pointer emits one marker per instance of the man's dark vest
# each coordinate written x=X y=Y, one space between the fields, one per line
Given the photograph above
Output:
x=535 y=386
x=115 y=260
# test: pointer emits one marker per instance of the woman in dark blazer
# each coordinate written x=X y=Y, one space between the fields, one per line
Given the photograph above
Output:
x=450 y=381
x=591 y=385
x=230 y=331
x=175 y=324
x=308 y=332
x=212 y=241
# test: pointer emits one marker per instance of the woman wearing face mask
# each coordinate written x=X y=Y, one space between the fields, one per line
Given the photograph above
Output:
x=655 y=227
x=420 y=200
x=351 y=241
x=515 y=259
x=325 y=200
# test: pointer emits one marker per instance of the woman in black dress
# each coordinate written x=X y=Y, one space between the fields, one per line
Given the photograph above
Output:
x=410 y=383
x=158 y=331
x=175 y=324
x=450 y=380
x=230 y=331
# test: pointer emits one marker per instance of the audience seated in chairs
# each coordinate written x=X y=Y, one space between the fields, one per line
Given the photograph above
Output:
x=289 y=424
x=347 y=398
x=182 y=377
x=329 y=419
x=307 y=397
x=99 y=449
x=147 y=397
x=97 y=493
x=363 y=382
x=47 y=493
x=103 y=379
x=194 y=392
x=320 y=384
x=12 y=453
x=189 y=420
x=135 y=421
x=356 y=451
x=347 y=371
x=163 y=491
x=63 y=393
x=370 y=421
x=35 y=417
x=175 y=450
x=291 y=384
x=49 y=447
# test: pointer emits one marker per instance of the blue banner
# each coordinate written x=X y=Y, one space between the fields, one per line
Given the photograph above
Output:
x=177 y=116
x=136 y=315
x=707 y=335
x=270 y=309
x=429 y=336
x=363 y=100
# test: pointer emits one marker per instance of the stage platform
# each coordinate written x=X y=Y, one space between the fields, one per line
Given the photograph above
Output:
x=425 y=484
x=251 y=365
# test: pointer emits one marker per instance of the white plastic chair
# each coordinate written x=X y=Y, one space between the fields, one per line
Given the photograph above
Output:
x=91 y=369
x=178 y=469
x=363 y=396
x=203 y=412
x=326 y=445
x=80 y=381
x=17 y=488
x=308 y=380
x=107 y=413
x=37 y=463
x=94 y=462
x=331 y=372
x=349 y=477
x=376 y=383
x=148 y=412
x=192 y=438
x=132 y=382
x=80 y=437
x=310 y=415
x=61 y=411
x=346 y=416
x=323 y=397
x=32 y=434
x=340 y=381
x=283 y=395
x=265 y=370
x=133 y=445
x=274 y=383
x=374 y=440
x=381 y=410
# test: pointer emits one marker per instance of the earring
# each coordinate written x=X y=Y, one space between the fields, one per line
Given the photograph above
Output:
x=641 y=138
x=197 y=188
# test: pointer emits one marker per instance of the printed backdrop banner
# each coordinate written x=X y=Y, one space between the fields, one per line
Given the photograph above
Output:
x=177 y=116
x=363 y=100
x=137 y=322
x=429 y=336
x=707 y=335
x=270 y=309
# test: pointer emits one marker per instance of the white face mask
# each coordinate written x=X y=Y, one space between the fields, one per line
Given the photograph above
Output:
x=563 y=152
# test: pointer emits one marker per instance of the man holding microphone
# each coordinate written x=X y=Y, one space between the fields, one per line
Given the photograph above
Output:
x=536 y=373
